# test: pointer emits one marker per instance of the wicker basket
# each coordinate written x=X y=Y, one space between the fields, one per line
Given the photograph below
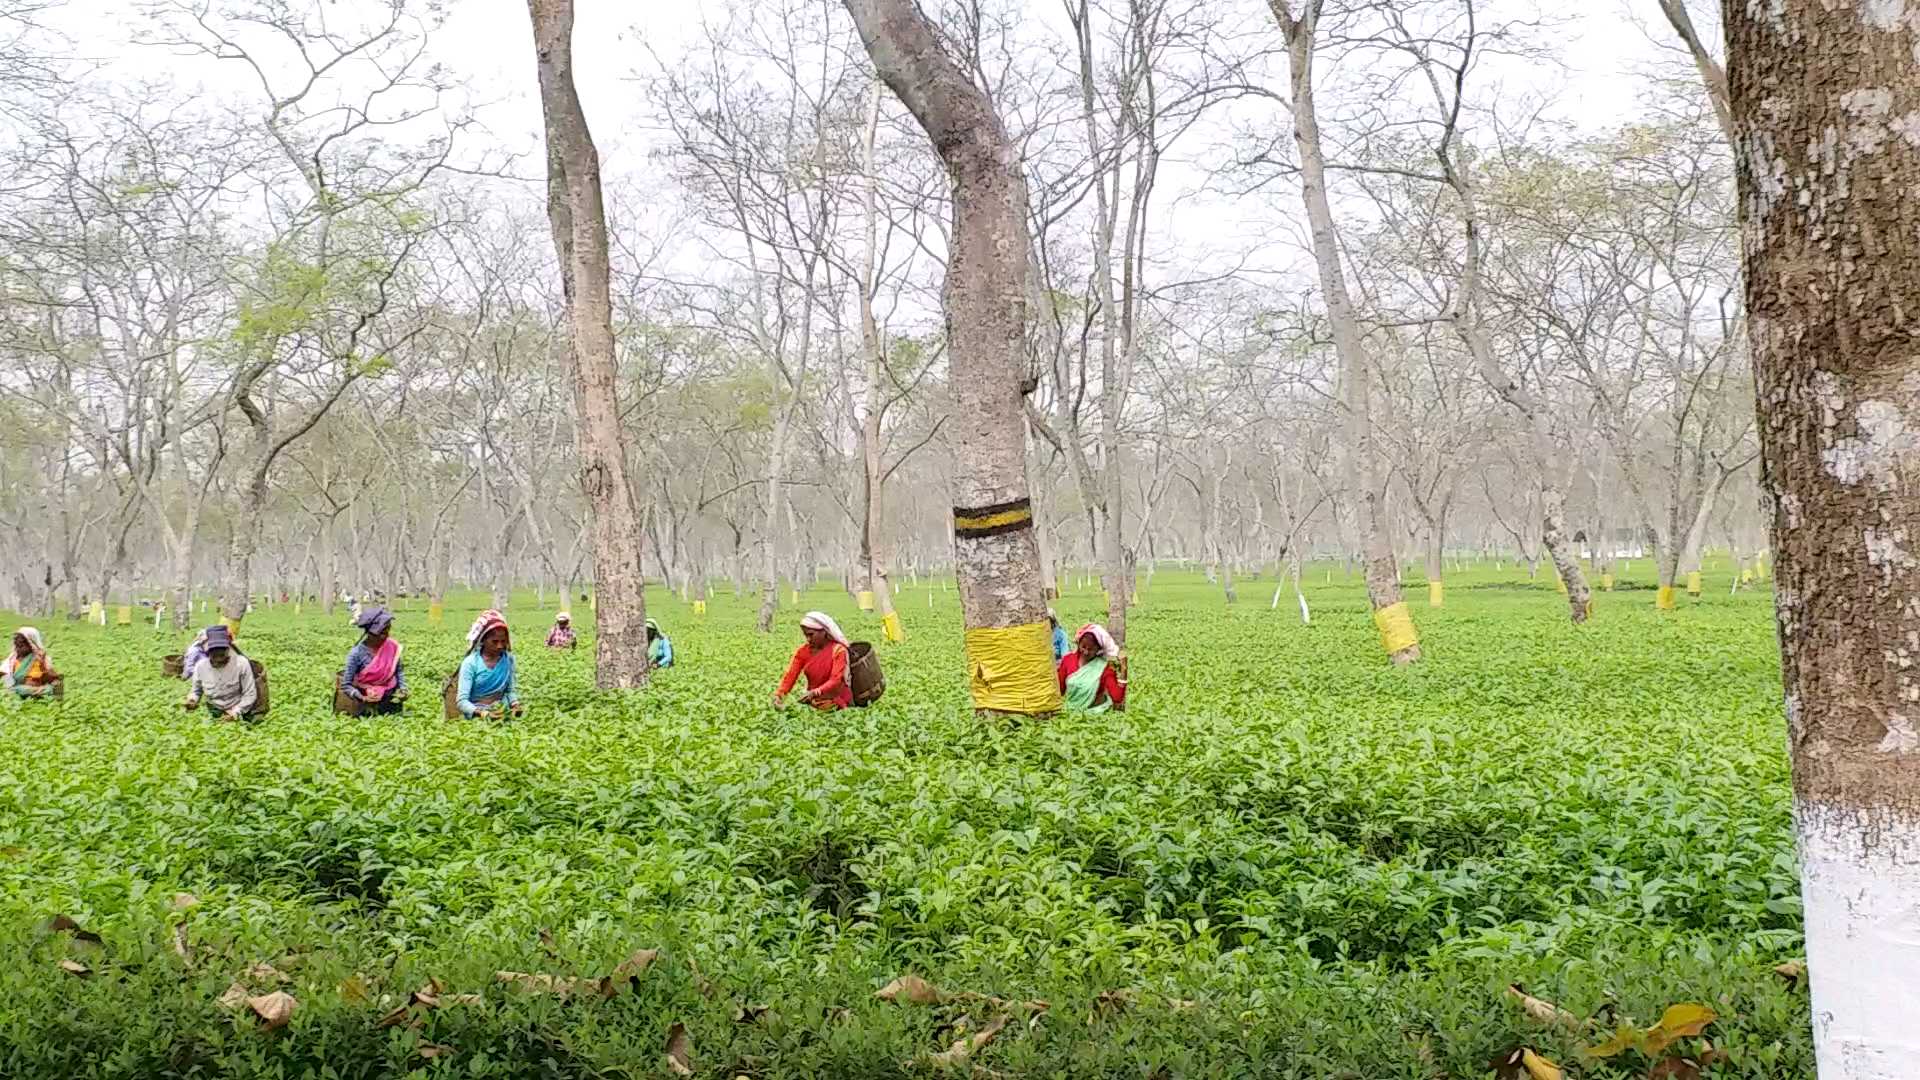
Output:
x=863 y=674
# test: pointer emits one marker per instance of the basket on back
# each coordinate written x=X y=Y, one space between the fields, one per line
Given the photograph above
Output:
x=863 y=673
x=173 y=666
x=342 y=704
x=260 y=706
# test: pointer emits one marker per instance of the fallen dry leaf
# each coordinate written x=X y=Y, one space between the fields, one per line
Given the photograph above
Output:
x=180 y=947
x=638 y=963
x=429 y=1051
x=75 y=968
x=1521 y=1063
x=397 y=1016
x=61 y=924
x=1113 y=1002
x=537 y=982
x=1794 y=971
x=1544 y=1011
x=911 y=990
x=1539 y=1068
x=462 y=999
x=1678 y=1022
x=183 y=900
x=265 y=972
x=1674 y=1068
x=236 y=996
x=968 y=1045
x=274 y=1010
x=355 y=991
x=679 y=1050
x=750 y=1014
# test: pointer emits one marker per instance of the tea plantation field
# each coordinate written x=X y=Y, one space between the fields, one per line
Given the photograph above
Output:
x=1287 y=860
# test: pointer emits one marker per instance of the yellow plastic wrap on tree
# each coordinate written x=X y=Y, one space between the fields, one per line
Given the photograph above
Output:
x=123 y=615
x=1395 y=624
x=1693 y=583
x=436 y=611
x=865 y=599
x=232 y=625
x=891 y=624
x=796 y=598
x=1664 y=598
x=1559 y=582
x=1606 y=582
x=699 y=607
x=1436 y=593
x=296 y=607
x=97 y=613
x=1746 y=577
x=1012 y=668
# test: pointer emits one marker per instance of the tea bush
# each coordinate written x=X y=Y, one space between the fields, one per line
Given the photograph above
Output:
x=1287 y=860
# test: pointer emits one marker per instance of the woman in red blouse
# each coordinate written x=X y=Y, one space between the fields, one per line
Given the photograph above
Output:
x=823 y=659
x=1093 y=678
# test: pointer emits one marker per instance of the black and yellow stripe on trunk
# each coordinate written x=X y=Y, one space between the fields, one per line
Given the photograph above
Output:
x=993 y=520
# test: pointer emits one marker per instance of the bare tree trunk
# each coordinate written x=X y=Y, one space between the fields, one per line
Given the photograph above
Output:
x=236 y=592
x=1553 y=537
x=1361 y=467
x=1822 y=102
x=1712 y=75
x=1001 y=599
x=578 y=216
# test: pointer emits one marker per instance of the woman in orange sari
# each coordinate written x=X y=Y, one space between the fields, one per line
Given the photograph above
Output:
x=27 y=671
x=822 y=658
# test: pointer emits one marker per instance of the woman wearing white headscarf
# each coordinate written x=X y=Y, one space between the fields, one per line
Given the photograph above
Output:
x=822 y=658
x=27 y=671
x=1093 y=678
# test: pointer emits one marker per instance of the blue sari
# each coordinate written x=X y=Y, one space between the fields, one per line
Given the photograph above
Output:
x=485 y=685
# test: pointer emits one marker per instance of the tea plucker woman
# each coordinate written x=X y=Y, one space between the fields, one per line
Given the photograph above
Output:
x=822 y=658
x=487 y=686
x=1093 y=678
x=374 y=676
x=27 y=670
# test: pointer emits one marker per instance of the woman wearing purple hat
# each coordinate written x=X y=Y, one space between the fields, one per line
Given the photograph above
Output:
x=374 y=676
x=223 y=679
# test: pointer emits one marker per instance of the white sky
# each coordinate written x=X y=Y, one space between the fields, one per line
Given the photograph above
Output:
x=1603 y=48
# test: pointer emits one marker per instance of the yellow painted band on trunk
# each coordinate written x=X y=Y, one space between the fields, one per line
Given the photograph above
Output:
x=123 y=616
x=1011 y=668
x=232 y=625
x=1558 y=581
x=1436 y=593
x=992 y=521
x=865 y=598
x=1395 y=624
x=1606 y=582
x=699 y=607
x=890 y=622
x=1664 y=598
x=796 y=598
x=1693 y=583
x=435 y=612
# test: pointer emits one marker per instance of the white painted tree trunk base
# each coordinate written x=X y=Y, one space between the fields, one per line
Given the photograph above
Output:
x=1860 y=883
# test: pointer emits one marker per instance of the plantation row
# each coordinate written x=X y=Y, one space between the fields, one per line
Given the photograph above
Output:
x=1286 y=859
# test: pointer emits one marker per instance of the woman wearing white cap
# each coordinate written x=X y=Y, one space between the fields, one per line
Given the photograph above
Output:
x=822 y=658
x=561 y=636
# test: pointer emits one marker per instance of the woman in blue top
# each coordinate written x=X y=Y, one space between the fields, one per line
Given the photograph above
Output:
x=486 y=676
x=659 y=648
x=1059 y=637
